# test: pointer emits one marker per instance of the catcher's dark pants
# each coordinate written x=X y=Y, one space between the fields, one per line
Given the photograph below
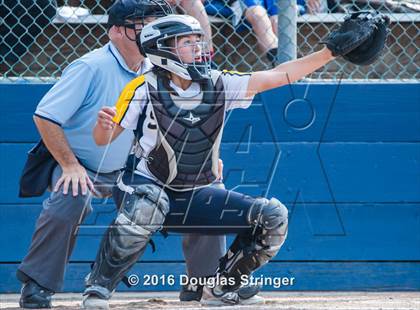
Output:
x=56 y=231
x=210 y=210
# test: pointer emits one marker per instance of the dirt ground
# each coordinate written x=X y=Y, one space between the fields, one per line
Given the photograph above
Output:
x=278 y=300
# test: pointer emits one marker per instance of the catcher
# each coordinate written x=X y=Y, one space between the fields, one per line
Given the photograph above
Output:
x=178 y=114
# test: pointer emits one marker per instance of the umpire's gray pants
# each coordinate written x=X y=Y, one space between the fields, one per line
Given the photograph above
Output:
x=56 y=230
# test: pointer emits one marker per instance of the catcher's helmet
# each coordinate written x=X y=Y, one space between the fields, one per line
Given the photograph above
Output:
x=125 y=12
x=155 y=44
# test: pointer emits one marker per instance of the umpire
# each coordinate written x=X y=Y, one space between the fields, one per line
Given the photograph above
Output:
x=65 y=118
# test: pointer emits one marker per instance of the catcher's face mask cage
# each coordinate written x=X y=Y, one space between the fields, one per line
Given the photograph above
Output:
x=144 y=12
x=176 y=43
x=189 y=51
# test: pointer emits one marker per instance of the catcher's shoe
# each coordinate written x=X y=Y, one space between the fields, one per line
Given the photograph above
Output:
x=254 y=300
x=191 y=292
x=194 y=293
x=92 y=301
x=33 y=295
x=248 y=295
x=210 y=298
x=96 y=297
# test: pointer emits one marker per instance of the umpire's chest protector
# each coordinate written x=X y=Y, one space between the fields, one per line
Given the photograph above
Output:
x=189 y=133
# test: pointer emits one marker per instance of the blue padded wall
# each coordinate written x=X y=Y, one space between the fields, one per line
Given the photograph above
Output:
x=345 y=159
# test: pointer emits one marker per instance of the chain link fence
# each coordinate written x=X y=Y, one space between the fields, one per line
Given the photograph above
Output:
x=39 y=38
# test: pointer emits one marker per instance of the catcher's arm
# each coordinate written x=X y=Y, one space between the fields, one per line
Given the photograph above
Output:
x=288 y=72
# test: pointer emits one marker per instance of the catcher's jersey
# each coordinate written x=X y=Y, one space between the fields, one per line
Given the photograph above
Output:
x=134 y=102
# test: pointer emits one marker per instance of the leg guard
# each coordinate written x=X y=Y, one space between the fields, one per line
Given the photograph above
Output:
x=250 y=251
x=141 y=214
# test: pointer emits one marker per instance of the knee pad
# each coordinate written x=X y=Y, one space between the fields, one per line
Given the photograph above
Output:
x=147 y=208
x=251 y=251
x=272 y=217
x=141 y=214
x=268 y=214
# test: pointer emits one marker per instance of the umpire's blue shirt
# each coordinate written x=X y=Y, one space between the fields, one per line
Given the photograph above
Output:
x=86 y=85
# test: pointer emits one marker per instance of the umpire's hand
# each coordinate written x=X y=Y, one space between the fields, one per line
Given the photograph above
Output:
x=76 y=175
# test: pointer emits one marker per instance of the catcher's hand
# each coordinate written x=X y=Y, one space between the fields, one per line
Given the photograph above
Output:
x=105 y=118
x=360 y=38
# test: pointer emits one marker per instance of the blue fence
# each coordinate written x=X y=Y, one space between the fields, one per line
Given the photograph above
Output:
x=345 y=159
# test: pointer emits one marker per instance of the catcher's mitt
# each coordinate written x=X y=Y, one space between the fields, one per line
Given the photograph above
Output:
x=360 y=38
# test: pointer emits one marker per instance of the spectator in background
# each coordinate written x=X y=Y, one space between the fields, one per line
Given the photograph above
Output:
x=314 y=6
x=196 y=9
x=262 y=15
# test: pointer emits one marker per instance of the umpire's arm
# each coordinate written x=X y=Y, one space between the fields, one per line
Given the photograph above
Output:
x=54 y=110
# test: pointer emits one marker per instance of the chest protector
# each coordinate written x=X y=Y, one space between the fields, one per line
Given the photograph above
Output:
x=189 y=134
